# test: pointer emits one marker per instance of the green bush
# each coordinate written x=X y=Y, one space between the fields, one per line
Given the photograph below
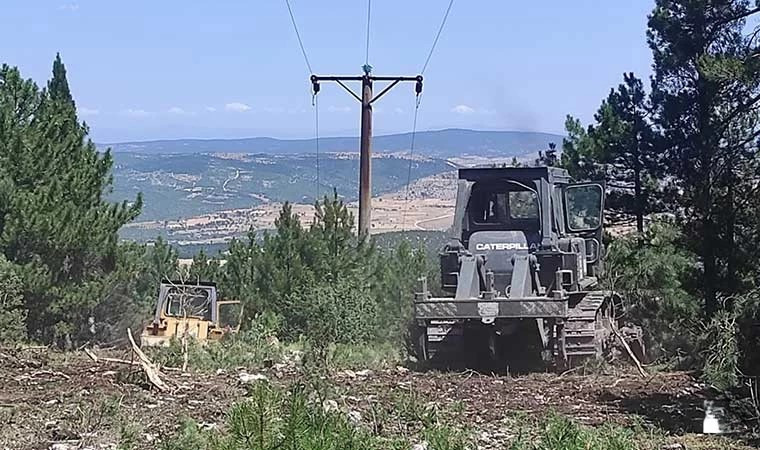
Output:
x=340 y=312
x=729 y=347
x=270 y=418
x=749 y=331
x=561 y=433
x=651 y=272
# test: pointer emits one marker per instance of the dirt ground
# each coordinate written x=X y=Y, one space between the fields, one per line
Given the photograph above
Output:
x=66 y=401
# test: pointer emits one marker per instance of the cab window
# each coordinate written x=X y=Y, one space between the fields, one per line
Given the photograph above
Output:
x=584 y=207
x=502 y=205
x=523 y=205
x=188 y=302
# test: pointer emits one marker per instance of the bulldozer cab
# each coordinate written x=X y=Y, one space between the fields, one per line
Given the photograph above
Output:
x=193 y=309
x=538 y=200
x=503 y=212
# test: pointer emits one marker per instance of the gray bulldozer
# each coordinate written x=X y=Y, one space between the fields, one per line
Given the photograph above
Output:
x=520 y=275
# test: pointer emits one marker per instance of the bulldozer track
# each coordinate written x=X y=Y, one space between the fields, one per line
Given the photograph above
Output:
x=588 y=328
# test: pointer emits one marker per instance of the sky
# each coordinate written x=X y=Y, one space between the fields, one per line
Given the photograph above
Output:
x=146 y=69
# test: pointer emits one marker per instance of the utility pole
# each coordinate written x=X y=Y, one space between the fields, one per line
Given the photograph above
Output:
x=365 y=156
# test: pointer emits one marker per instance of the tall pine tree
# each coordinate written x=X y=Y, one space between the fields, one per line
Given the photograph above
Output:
x=706 y=91
x=55 y=223
x=625 y=141
x=619 y=148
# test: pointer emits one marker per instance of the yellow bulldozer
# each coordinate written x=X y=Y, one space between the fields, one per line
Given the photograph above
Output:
x=190 y=310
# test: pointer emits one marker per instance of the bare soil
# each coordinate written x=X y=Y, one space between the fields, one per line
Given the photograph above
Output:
x=65 y=400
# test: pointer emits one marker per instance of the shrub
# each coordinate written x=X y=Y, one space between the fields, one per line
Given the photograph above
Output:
x=339 y=312
x=561 y=433
x=651 y=272
x=270 y=418
x=729 y=341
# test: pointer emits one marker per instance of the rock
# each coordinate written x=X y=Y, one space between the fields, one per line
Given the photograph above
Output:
x=63 y=446
x=329 y=405
x=364 y=373
x=251 y=377
x=355 y=417
x=207 y=426
x=420 y=446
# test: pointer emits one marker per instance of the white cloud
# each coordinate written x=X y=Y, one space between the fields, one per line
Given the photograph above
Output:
x=237 y=107
x=71 y=6
x=210 y=109
x=341 y=109
x=176 y=110
x=137 y=112
x=463 y=109
x=87 y=111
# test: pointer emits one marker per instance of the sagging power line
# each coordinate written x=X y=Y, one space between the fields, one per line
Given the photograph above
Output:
x=298 y=35
x=437 y=36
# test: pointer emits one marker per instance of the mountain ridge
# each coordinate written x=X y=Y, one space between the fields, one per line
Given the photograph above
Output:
x=437 y=143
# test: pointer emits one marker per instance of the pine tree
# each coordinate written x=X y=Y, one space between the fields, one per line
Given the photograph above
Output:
x=58 y=86
x=706 y=91
x=626 y=143
x=203 y=269
x=619 y=148
x=55 y=222
x=239 y=274
x=580 y=156
x=340 y=253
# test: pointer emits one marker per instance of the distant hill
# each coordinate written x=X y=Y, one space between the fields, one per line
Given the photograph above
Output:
x=186 y=185
x=440 y=144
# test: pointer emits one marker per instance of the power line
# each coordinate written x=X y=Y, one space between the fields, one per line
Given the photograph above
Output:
x=411 y=156
x=315 y=99
x=437 y=36
x=298 y=35
x=369 y=15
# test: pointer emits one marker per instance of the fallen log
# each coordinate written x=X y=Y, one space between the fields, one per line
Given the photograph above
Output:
x=98 y=359
x=150 y=369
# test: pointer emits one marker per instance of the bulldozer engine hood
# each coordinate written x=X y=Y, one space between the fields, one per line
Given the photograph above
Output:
x=498 y=247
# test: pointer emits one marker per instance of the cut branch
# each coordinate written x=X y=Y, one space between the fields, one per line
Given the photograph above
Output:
x=627 y=348
x=154 y=375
